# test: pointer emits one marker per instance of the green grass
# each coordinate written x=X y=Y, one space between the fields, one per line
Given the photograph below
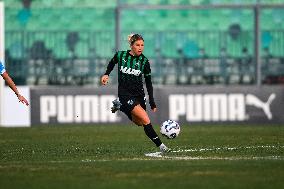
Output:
x=114 y=157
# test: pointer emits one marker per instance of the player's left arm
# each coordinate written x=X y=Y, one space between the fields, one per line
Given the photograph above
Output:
x=149 y=86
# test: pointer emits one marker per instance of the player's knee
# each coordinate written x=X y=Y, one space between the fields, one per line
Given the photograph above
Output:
x=146 y=121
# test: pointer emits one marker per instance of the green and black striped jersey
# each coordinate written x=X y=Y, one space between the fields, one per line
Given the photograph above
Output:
x=130 y=71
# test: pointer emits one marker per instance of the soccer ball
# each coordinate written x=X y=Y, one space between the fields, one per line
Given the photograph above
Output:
x=170 y=129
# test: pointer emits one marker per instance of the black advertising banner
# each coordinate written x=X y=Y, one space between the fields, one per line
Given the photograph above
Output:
x=225 y=104
x=73 y=105
x=200 y=104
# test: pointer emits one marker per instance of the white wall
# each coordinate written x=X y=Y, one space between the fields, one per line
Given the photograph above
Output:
x=16 y=114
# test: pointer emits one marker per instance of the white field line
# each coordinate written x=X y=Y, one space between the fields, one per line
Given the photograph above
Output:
x=227 y=148
x=155 y=155
x=161 y=155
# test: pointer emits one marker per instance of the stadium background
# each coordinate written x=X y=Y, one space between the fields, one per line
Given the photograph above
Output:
x=198 y=45
x=227 y=95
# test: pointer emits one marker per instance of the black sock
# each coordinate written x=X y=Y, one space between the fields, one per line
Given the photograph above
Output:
x=150 y=132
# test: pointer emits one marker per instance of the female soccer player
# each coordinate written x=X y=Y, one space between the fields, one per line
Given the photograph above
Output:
x=11 y=84
x=132 y=64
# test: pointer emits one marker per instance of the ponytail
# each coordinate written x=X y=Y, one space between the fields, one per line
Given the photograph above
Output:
x=134 y=37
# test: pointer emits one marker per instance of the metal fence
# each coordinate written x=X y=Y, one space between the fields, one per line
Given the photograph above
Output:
x=188 y=57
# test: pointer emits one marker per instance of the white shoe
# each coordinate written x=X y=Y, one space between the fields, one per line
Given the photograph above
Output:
x=115 y=105
x=164 y=148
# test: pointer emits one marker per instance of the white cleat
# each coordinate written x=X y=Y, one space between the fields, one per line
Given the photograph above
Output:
x=164 y=148
x=115 y=105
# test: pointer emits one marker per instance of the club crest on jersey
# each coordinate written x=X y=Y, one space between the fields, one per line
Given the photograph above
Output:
x=137 y=64
x=130 y=71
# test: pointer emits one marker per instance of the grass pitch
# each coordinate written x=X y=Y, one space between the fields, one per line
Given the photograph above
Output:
x=123 y=157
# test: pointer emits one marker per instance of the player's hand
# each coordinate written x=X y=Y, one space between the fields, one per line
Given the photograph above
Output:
x=154 y=109
x=23 y=100
x=104 y=79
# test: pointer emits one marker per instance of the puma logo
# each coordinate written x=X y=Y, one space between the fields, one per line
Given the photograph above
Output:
x=265 y=106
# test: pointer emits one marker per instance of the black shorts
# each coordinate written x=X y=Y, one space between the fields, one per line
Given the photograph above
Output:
x=129 y=102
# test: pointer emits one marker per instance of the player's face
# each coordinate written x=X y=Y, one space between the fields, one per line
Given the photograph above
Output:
x=138 y=47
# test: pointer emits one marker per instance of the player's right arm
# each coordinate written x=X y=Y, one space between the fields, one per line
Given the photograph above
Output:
x=110 y=66
x=11 y=84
